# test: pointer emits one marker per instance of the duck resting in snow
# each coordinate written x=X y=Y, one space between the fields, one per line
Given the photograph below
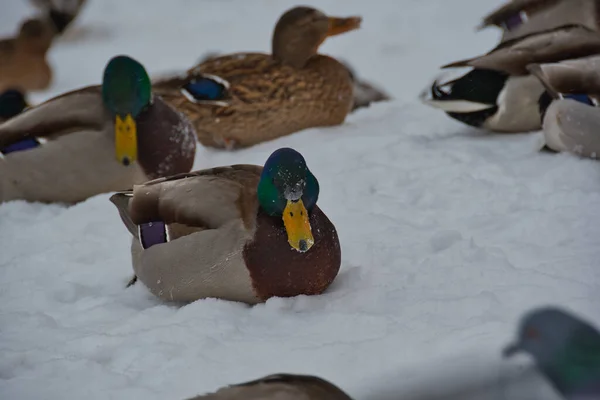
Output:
x=497 y=92
x=241 y=233
x=279 y=387
x=518 y=18
x=569 y=107
x=243 y=99
x=94 y=140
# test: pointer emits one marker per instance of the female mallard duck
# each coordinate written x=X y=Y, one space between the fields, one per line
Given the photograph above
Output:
x=569 y=108
x=23 y=63
x=518 y=18
x=94 y=140
x=12 y=103
x=243 y=99
x=498 y=93
x=279 y=387
x=241 y=233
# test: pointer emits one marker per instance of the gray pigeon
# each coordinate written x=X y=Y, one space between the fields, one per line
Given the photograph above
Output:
x=566 y=349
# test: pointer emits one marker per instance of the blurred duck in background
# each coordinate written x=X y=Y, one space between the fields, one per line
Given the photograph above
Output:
x=518 y=18
x=569 y=106
x=496 y=91
x=242 y=99
x=23 y=63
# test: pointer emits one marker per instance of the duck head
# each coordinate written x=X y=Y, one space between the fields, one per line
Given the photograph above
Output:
x=126 y=92
x=287 y=189
x=301 y=30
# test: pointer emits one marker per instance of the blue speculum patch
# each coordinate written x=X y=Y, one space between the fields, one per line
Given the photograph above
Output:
x=152 y=233
x=205 y=89
x=581 y=98
x=514 y=21
x=21 y=145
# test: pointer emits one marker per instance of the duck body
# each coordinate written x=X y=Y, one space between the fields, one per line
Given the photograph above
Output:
x=520 y=18
x=279 y=387
x=203 y=234
x=243 y=99
x=63 y=150
x=265 y=99
x=23 y=63
x=571 y=117
x=498 y=93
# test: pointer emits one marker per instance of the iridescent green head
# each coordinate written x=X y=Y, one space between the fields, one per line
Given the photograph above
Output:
x=126 y=92
x=289 y=190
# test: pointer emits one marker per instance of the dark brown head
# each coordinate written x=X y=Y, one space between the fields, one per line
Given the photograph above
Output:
x=301 y=30
x=36 y=34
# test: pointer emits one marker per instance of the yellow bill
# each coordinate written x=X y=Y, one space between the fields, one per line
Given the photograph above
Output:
x=297 y=226
x=126 y=139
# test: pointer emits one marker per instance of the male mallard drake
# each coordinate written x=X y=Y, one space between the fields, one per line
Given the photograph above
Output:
x=12 y=102
x=571 y=118
x=94 y=140
x=279 y=387
x=243 y=99
x=60 y=12
x=241 y=233
x=23 y=63
x=498 y=93
x=518 y=18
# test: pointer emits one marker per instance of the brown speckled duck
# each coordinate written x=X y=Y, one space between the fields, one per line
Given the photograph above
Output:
x=94 y=140
x=570 y=112
x=23 y=63
x=242 y=99
x=279 y=387
x=518 y=18
x=241 y=233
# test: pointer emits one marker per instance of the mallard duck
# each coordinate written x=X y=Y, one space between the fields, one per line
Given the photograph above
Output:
x=243 y=99
x=518 y=18
x=497 y=93
x=242 y=233
x=12 y=102
x=23 y=63
x=569 y=108
x=60 y=12
x=94 y=140
x=279 y=387
x=364 y=93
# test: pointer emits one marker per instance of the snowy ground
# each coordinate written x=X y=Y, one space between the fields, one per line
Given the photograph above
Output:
x=447 y=234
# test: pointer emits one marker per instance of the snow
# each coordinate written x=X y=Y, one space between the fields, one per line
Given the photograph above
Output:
x=448 y=235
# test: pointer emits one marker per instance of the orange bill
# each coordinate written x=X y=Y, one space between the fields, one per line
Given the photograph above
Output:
x=342 y=25
x=297 y=226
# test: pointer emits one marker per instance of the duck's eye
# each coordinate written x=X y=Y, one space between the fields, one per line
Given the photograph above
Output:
x=514 y=21
x=532 y=333
x=205 y=89
x=581 y=98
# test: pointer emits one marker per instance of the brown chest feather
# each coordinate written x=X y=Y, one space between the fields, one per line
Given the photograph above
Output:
x=278 y=270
